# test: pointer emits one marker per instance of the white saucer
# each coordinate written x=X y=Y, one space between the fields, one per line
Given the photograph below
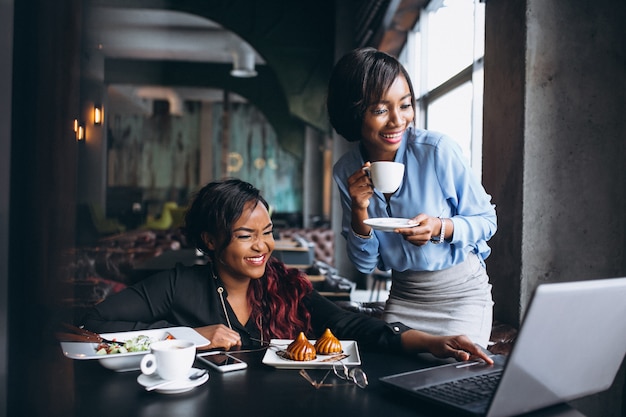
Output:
x=388 y=224
x=176 y=387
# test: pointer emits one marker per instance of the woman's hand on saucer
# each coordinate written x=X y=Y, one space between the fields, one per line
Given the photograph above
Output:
x=421 y=235
x=220 y=336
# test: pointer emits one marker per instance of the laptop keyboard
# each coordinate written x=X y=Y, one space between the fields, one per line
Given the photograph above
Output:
x=464 y=391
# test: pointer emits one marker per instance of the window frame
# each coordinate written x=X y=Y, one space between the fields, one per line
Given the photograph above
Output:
x=415 y=58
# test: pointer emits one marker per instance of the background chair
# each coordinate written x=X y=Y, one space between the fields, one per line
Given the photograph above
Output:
x=178 y=216
x=164 y=221
x=380 y=279
x=104 y=225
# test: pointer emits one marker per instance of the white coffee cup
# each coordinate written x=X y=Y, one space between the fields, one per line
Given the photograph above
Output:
x=170 y=359
x=386 y=176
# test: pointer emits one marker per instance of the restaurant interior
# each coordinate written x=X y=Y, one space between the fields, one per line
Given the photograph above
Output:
x=113 y=112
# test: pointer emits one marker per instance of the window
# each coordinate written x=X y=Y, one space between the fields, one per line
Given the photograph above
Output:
x=444 y=56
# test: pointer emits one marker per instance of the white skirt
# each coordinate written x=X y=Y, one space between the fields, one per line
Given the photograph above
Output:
x=449 y=302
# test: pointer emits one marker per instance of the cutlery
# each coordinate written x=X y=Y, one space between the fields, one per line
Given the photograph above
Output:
x=268 y=344
x=195 y=376
x=78 y=334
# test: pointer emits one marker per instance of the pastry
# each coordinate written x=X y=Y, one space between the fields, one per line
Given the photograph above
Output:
x=301 y=349
x=328 y=344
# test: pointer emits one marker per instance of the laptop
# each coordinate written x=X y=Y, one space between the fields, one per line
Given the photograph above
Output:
x=571 y=344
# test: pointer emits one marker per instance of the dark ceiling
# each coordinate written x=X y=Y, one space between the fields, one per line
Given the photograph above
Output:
x=189 y=43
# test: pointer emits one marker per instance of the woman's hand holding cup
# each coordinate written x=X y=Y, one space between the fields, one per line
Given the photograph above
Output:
x=386 y=176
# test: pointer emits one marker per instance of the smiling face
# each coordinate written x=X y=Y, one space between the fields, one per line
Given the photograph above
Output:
x=384 y=122
x=249 y=249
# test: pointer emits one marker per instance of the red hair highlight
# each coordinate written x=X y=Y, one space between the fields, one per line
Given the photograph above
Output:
x=277 y=302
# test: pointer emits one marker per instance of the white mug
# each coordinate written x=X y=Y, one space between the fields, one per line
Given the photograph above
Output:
x=386 y=175
x=170 y=359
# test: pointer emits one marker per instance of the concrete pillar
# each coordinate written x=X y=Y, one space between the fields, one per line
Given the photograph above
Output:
x=554 y=151
x=503 y=147
x=554 y=143
x=575 y=128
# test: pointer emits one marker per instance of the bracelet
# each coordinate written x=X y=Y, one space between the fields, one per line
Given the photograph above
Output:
x=442 y=235
x=362 y=236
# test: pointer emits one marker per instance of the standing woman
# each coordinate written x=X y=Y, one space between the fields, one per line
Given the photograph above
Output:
x=246 y=297
x=439 y=282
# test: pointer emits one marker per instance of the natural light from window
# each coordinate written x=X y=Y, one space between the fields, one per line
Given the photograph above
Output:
x=450 y=40
x=455 y=106
x=444 y=55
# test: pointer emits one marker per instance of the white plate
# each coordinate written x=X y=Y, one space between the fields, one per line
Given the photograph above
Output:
x=388 y=224
x=272 y=359
x=128 y=361
x=176 y=387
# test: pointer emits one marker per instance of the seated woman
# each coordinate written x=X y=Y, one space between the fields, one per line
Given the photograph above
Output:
x=246 y=297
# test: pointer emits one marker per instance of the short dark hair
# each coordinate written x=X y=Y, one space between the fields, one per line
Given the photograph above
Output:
x=214 y=210
x=359 y=79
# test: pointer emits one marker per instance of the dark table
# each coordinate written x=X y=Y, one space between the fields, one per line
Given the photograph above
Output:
x=258 y=391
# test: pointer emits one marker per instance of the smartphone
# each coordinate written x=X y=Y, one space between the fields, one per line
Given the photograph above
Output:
x=221 y=361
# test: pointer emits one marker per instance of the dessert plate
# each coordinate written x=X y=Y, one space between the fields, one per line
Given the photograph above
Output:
x=176 y=387
x=273 y=358
x=388 y=224
x=120 y=362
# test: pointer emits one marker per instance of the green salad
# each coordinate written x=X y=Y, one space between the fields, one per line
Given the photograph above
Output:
x=140 y=343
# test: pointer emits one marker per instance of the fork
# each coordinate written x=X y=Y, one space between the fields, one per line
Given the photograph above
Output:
x=78 y=334
x=268 y=344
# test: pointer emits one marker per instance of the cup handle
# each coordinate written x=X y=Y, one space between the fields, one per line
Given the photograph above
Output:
x=368 y=172
x=148 y=364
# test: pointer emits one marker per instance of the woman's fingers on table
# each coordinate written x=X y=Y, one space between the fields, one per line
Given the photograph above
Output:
x=220 y=336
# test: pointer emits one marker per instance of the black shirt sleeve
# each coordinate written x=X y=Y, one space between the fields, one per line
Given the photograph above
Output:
x=369 y=332
x=182 y=296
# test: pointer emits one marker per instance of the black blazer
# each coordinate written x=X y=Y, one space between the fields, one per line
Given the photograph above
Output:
x=188 y=296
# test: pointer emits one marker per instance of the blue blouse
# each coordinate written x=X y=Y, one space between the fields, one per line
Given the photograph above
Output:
x=437 y=181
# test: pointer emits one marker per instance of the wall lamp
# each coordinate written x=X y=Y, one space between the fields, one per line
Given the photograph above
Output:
x=243 y=63
x=98 y=115
x=79 y=130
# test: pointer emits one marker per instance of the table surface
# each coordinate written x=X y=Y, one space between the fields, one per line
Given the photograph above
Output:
x=260 y=390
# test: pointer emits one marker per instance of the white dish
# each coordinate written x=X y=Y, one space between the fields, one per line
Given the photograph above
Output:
x=388 y=224
x=176 y=387
x=271 y=357
x=121 y=362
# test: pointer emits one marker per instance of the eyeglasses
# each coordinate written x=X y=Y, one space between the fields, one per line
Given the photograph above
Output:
x=355 y=376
